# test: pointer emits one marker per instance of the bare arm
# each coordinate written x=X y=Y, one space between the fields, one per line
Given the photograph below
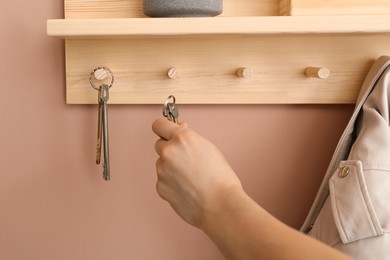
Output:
x=195 y=178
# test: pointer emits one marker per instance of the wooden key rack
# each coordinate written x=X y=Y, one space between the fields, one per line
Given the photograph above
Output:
x=248 y=55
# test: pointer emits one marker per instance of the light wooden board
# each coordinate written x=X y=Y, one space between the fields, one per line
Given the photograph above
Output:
x=208 y=52
x=167 y=27
x=133 y=8
x=334 y=7
x=208 y=68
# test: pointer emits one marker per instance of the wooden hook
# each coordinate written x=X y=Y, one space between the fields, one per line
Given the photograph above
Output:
x=173 y=73
x=100 y=74
x=244 y=73
x=317 y=72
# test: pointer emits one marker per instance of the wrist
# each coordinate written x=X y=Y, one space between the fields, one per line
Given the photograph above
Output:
x=224 y=207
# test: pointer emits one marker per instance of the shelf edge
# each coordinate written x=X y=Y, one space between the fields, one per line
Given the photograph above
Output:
x=143 y=27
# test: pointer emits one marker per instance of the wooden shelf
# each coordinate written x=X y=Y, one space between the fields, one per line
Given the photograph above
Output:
x=216 y=26
x=208 y=52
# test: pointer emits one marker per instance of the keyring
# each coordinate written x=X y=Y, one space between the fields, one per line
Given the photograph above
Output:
x=166 y=104
x=93 y=72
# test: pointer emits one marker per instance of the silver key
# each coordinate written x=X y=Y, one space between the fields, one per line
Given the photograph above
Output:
x=170 y=110
x=99 y=132
x=103 y=98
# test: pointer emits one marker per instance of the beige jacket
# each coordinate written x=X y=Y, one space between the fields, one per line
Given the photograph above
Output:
x=352 y=209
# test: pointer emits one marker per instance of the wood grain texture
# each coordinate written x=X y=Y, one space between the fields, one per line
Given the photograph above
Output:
x=333 y=7
x=208 y=51
x=278 y=64
x=134 y=8
x=150 y=27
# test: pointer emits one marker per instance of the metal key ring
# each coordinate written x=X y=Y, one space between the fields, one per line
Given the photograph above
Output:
x=166 y=102
x=98 y=68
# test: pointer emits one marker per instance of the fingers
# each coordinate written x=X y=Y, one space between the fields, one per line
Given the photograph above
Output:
x=162 y=186
x=164 y=128
x=159 y=146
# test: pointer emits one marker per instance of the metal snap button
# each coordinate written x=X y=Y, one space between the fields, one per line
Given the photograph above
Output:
x=344 y=171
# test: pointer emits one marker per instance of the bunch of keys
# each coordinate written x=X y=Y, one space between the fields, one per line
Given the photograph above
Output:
x=170 y=110
x=102 y=134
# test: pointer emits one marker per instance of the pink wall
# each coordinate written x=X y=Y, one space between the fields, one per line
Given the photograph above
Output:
x=53 y=201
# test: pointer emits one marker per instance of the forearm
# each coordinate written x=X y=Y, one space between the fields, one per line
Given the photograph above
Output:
x=243 y=230
x=194 y=177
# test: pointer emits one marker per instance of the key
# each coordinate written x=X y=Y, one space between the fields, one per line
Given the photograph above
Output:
x=99 y=132
x=173 y=113
x=99 y=74
x=170 y=110
x=103 y=98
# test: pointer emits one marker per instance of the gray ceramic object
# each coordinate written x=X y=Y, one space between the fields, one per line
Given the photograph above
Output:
x=182 y=8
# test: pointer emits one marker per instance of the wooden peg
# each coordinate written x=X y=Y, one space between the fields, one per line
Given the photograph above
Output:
x=317 y=72
x=244 y=73
x=100 y=74
x=173 y=73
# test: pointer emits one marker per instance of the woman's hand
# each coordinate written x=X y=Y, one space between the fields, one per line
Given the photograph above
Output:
x=193 y=176
x=196 y=180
